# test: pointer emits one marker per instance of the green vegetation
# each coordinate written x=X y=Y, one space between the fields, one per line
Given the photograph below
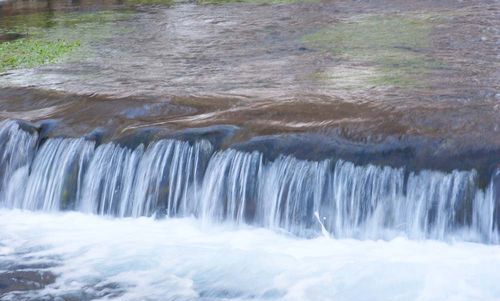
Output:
x=48 y=37
x=394 y=45
x=27 y=53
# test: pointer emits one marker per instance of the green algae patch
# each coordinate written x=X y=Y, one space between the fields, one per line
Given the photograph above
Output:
x=45 y=38
x=367 y=35
x=394 y=47
x=28 y=53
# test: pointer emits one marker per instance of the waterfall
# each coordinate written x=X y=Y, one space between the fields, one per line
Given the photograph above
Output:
x=16 y=152
x=177 y=178
x=53 y=180
x=108 y=183
x=164 y=178
x=229 y=186
x=290 y=191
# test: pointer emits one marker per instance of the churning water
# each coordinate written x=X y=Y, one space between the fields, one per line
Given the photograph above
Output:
x=182 y=259
x=412 y=83
x=184 y=179
x=178 y=220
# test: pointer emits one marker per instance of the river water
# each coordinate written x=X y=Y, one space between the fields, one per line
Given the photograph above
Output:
x=257 y=150
x=179 y=220
x=179 y=259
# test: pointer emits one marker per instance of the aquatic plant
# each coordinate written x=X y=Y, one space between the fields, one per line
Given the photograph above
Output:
x=27 y=53
x=46 y=38
x=393 y=46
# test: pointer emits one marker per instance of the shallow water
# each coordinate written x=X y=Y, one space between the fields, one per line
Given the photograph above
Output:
x=368 y=68
x=181 y=259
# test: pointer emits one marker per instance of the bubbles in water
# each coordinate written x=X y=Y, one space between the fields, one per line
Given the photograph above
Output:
x=184 y=259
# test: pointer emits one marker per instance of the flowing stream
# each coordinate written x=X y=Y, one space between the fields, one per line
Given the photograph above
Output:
x=237 y=150
x=98 y=258
x=175 y=178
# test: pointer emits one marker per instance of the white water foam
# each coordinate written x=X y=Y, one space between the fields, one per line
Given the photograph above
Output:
x=179 y=179
x=186 y=259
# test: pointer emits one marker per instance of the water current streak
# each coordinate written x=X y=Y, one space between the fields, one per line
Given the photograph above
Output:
x=177 y=178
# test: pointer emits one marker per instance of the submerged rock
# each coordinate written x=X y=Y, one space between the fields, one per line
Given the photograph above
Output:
x=12 y=281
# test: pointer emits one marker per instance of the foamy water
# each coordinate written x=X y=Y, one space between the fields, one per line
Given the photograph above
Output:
x=184 y=259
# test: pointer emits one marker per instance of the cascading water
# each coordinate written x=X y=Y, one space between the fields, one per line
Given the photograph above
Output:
x=229 y=186
x=162 y=178
x=177 y=178
x=56 y=174
x=16 y=152
x=108 y=180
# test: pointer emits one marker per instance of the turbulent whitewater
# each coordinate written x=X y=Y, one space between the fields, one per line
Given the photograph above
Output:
x=130 y=259
x=176 y=178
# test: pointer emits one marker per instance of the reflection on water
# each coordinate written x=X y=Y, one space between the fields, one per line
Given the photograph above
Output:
x=272 y=52
x=366 y=69
x=278 y=51
x=9 y=7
